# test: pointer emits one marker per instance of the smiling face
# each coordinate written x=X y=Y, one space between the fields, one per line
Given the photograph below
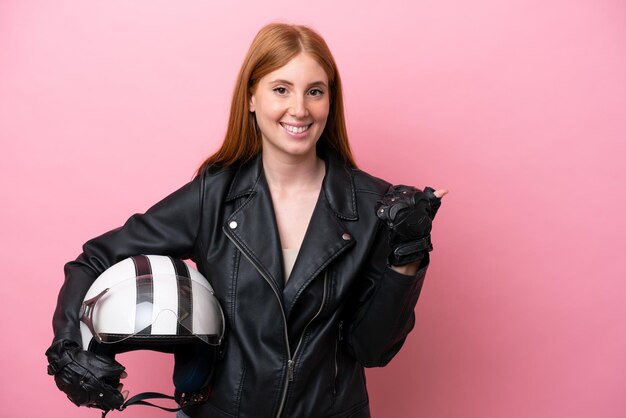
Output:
x=291 y=106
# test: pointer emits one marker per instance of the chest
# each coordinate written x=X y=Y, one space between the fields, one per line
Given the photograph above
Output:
x=293 y=215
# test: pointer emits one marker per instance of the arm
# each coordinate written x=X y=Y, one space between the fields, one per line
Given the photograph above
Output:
x=394 y=274
x=169 y=228
x=385 y=301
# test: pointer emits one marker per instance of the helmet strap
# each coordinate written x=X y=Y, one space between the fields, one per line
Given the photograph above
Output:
x=183 y=399
x=140 y=399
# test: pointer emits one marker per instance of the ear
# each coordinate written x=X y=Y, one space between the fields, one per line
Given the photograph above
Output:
x=251 y=104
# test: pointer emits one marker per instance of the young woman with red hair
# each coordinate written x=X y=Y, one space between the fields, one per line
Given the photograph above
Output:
x=316 y=264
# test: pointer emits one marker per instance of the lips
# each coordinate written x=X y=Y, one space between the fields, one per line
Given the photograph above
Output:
x=295 y=129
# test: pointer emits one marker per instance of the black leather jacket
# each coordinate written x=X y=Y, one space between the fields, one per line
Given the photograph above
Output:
x=292 y=350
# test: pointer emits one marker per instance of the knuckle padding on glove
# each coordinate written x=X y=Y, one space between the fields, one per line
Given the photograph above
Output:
x=84 y=387
x=408 y=213
x=86 y=378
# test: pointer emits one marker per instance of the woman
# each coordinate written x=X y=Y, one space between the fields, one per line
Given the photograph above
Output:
x=316 y=264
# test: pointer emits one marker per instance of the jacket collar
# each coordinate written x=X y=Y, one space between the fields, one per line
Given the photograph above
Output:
x=338 y=184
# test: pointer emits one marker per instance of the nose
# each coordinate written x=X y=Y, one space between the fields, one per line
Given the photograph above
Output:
x=298 y=107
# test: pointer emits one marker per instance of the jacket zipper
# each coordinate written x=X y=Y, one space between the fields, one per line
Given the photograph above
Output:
x=295 y=353
x=291 y=361
x=339 y=338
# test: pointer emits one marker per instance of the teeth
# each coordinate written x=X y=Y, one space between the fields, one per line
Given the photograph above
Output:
x=295 y=129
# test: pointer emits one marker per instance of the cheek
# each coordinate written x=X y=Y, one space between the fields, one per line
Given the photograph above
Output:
x=272 y=111
x=321 y=112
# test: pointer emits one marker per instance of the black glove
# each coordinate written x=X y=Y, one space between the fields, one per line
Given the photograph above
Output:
x=408 y=213
x=87 y=378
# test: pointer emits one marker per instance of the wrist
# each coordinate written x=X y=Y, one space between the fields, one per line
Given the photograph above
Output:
x=407 y=269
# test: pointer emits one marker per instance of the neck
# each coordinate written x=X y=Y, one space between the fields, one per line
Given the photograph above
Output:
x=287 y=174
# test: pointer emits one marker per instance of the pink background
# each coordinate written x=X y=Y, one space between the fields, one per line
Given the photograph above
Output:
x=518 y=107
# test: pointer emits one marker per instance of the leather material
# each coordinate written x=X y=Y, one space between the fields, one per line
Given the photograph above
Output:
x=408 y=213
x=285 y=352
x=86 y=378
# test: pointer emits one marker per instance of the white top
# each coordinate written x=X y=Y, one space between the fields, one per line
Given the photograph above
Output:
x=289 y=259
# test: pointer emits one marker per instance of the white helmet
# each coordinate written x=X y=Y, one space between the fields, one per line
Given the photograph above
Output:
x=157 y=303
x=151 y=298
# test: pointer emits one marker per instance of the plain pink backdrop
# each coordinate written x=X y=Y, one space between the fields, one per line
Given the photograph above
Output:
x=518 y=107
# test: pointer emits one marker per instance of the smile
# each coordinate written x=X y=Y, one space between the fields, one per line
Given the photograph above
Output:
x=295 y=129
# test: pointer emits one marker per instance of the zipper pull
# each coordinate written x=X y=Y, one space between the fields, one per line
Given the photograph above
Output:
x=340 y=330
x=290 y=365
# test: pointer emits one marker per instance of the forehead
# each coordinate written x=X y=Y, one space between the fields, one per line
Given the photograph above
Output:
x=302 y=68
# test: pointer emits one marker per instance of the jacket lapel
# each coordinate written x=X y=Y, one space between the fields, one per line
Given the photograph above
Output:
x=326 y=236
x=252 y=227
x=325 y=239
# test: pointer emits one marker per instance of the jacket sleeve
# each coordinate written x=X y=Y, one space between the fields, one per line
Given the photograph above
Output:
x=385 y=300
x=168 y=228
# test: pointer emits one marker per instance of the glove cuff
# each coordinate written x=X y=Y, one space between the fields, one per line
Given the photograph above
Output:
x=60 y=355
x=410 y=252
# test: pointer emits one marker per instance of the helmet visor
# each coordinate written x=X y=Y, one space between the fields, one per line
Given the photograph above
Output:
x=155 y=308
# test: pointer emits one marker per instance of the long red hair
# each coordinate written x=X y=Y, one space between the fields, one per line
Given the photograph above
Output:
x=273 y=47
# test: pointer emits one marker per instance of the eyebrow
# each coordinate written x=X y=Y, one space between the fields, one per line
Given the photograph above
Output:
x=289 y=83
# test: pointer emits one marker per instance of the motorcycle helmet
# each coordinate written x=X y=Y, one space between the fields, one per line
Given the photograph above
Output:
x=154 y=302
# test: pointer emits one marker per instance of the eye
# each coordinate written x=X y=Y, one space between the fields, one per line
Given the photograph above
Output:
x=316 y=92
x=280 y=90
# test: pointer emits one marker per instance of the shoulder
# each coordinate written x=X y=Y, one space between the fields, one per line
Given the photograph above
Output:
x=213 y=183
x=366 y=183
x=216 y=169
x=216 y=173
x=362 y=182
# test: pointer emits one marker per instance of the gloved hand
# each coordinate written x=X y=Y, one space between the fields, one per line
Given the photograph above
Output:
x=87 y=378
x=408 y=213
